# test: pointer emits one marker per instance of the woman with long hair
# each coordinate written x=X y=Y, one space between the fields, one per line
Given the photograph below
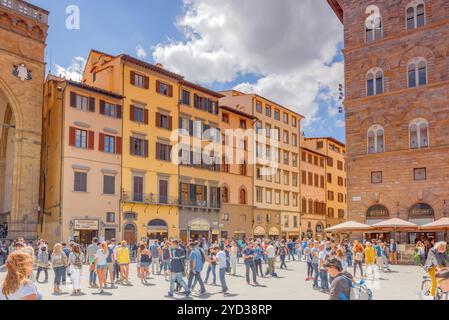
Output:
x=102 y=265
x=123 y=261
x=58 y=263
x=76 y=259
x=145 y=261
x=17 y=284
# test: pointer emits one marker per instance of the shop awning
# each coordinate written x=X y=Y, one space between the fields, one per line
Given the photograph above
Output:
x=439 y=225
x=395 y=224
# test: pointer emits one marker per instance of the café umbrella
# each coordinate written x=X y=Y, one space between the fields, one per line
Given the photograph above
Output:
x=395 y=225
x=348 y=227
x=439 y=225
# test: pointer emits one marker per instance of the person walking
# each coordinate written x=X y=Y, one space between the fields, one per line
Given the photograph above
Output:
x=315 y=264
x=145 y=261
x=291 y=250
x=66 y=251
x=166 y=256
x=233 y=257
x=110 y=260
x=58 y=263
x=358 y=257
x=437 y=259
x=221 y=258
x=393 y=254
x=308 y=256
x=17 y=284
x=155 y=254
x=197 y=259
x=115 y=247
x=283 y=251
x=379 y=256
x=90 y=260
x=322 y=256
x=258 y=255
x=370 y=259
x=212 y=265
x=177 y=269
x=123 y=260
x=42 y=263
x=101 y=265
x=248 y=258
x=341 y=287
x=76 y=259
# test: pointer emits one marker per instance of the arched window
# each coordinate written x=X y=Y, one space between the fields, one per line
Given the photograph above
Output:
x=376 y=139
x=242 y=194
x=373 y=28
x=374 y=82
x=225 y=195
x=419 y=133
x=417 y=72
x=415 y=15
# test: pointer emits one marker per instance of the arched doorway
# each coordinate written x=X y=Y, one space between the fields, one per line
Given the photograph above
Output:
x=157 y=229
x=375 y=214
x=259 y=232
x=129 y=233
x=421 y=214
x=273 y=233
x=199 y=229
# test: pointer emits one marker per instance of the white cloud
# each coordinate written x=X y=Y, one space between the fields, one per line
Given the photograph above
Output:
x=140 y=52
x=289 y=46
x=74 y=71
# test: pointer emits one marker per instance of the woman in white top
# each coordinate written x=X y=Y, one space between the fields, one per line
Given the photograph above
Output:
x=76 y=259
x=102 y=265
x=17 y=284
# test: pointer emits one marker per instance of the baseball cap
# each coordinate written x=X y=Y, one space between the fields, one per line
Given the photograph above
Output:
x=334 y=263
x=443 y=274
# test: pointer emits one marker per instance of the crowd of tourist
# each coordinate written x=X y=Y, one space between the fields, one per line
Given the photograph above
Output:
x=333 y=267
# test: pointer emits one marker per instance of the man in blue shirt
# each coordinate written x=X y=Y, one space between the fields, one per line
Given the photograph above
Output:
x=393 y=252
x=177 y=269
x=196 y=260
x=248 y=256
x=155 y=251
x=379 y=255
x=291 y=250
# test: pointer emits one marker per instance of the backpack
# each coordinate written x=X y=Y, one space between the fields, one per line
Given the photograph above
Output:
x=359 y=291
x=282 y=251
x=78 y=262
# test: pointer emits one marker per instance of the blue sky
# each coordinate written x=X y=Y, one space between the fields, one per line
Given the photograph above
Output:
x=119 y=27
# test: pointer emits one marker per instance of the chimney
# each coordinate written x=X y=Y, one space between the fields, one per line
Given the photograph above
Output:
x=159 y=65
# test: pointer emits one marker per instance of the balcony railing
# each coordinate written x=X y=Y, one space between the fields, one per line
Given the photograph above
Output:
x=149 y=198
x=25 y=9
x=199 y=204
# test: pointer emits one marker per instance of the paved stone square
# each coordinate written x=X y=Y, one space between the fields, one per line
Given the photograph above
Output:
x=401 y=284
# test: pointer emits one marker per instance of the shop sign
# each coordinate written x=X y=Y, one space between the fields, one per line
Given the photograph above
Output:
x=421 y=210
x=377 y=211
x=215 y=231
x=86 y=225
x=273 y=232
x=200 y=225
x=259 y=231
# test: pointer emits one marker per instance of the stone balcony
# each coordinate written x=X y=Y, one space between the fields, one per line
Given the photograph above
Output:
x=26 y=9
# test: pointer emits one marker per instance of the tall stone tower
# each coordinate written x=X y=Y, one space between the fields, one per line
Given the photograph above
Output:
x=23 y=32
x=397 y=109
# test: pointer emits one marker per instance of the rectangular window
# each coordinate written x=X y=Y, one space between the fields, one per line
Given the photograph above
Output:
x=277 y=178
x=80 y=183
x=330 y=195
x=329 y=177
x=259 y=192
x=225 y=117
x=286 y=136
x=340 y=165
x=294 y=140
x=163 y=152
x=110 y=110
x=109 y=144
x=139 y=80
x=295 y=160
x=163 y=191
x=82 y=103
x=310 y=178
x=340 y=181
x=285 y=118
x=242 y=124
x=303 y=177
x=286 y=198
x=276 y=114
x=138 y=114
x=185 y=97
x=294 y=122
x=303 y=156
x=322 y=182
x=295 y=200
x=295 y=179
x=138 y=147
x=267 y=111
x=376 y=177
x=163 y=88
x=268 y=130
x=81 y=139
x=268 y=196
x=286 y=158
x=109 y=185
x=259 y=106
x=259 y=173
x=420 y=174
x=277 y=197
x=330 y=162
x=316 y=180
x=138 y=189
x=286 y=178
x=110 y=217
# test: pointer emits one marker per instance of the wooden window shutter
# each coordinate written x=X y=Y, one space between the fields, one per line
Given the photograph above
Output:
x=73 y=99
x=131 y=143
x=91 y=140
x=72 y=136
x=102 y=107
x=101 y=142
x=118 y=145
x=170 y=123
x=118 y=111
x=169 y=152
x=158 y=119
x=158 y=151
x=145 y=148
x=145 y=118
x=131 y=113
x=92 y=104
x=158 y=86
x=133 y=77
x=146 y=82
x=170 y=90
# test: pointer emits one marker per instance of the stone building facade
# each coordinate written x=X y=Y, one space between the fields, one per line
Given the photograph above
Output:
x=23 y=32
x=397 y=111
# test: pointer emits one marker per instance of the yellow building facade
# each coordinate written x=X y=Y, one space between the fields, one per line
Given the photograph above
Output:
x=149 y=200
